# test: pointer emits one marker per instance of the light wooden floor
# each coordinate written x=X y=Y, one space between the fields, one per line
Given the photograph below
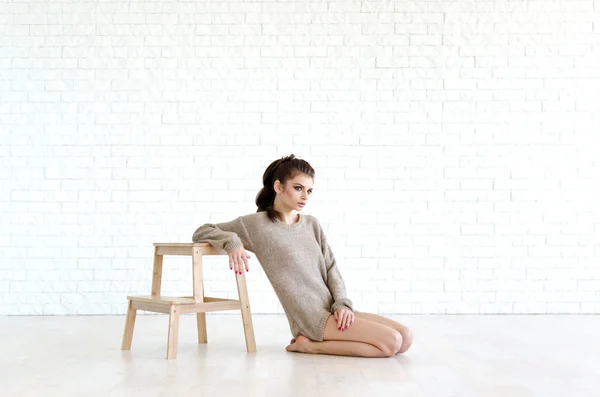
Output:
x=482 y=356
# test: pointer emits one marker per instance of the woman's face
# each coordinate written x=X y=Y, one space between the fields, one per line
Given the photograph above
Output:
x=295 y=192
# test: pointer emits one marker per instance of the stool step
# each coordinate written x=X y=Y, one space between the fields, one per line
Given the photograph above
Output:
x=163 y=300
x=163 y=304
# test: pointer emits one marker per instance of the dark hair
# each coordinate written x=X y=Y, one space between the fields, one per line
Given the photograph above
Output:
x=283 y=169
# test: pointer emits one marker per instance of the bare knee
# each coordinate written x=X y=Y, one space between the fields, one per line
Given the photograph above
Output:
x=392 y=345
x=407 y=340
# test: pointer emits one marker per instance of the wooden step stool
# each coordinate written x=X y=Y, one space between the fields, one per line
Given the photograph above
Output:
x=198 y=303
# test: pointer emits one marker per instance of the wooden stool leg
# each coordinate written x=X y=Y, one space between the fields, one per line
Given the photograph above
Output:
x=198 y=286
x=201 y=320
x=173 y=333
x=129 y=324
x=157 y=273
x=246 y=316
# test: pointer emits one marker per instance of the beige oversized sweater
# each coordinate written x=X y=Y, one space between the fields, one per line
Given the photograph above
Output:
x=297 y=261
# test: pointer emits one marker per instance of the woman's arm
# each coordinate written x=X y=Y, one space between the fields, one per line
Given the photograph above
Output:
x=334 y=278
x=227 y=236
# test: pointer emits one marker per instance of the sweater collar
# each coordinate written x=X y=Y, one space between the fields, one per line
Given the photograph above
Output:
x=294 y=225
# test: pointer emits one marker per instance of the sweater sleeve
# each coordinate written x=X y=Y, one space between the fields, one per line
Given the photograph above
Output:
x=334 y=278
x=227 y=236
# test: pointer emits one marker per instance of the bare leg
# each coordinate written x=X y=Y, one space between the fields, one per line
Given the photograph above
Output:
x=339 y=348
x=364 y=338
x=407 y=336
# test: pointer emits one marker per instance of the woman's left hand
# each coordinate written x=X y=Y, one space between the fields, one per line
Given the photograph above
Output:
x=344 y=317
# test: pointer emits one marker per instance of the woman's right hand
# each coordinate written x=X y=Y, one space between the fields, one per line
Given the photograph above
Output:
x=238 y=260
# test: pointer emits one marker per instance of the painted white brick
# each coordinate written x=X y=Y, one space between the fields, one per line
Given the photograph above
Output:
x=452 y=174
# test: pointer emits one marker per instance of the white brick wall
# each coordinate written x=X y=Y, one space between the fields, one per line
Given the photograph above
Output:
x=456 y=145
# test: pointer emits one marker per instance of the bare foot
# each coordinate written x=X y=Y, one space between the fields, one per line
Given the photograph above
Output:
x=299 y=344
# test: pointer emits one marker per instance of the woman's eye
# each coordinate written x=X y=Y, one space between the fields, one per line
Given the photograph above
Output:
x=298 y=187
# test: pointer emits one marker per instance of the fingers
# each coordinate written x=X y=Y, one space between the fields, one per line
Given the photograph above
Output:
x=345 y=322
x=238 y=264
x=344 y=319
x=234 y=263
x=340 y=319
x=238 y=261
x=245 y=257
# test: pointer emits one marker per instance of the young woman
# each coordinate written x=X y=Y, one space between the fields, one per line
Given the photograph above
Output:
x=302 y=269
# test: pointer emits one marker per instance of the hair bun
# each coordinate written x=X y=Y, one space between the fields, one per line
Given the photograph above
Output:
x=286 y=158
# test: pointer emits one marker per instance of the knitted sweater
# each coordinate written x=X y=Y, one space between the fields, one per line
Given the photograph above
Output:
x=297 y=261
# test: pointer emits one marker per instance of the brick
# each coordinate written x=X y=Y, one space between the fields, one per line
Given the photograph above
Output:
x=450 y=180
